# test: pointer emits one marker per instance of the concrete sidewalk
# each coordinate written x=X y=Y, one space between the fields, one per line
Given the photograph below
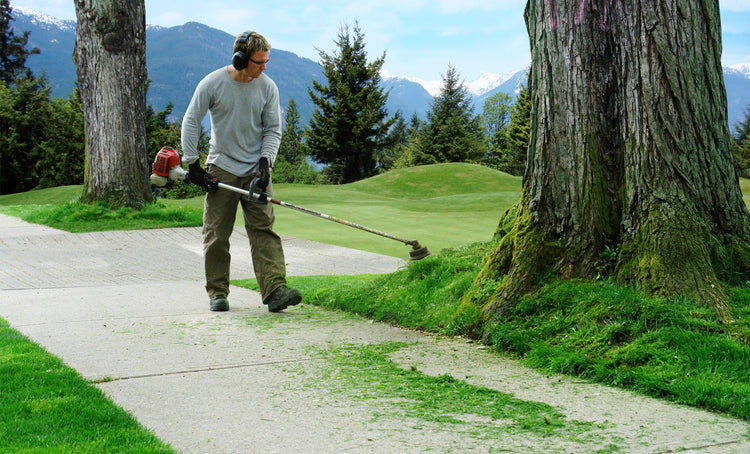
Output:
x=128 y=310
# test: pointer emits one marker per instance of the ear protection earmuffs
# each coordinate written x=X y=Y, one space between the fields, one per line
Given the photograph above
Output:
x=239 y=59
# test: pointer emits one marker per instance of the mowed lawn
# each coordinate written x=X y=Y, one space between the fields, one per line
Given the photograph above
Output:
x=441 y=206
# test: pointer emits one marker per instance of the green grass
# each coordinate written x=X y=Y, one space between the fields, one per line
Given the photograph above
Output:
x=51 y=196
x=441 y=206
x=442 y=217
x=78 y=217
x=663 y=347
x=47 y=407
x=669 y=348
x=424 y=295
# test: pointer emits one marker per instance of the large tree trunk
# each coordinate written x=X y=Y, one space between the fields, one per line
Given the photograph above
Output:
x=629 y=171
x=110 y=58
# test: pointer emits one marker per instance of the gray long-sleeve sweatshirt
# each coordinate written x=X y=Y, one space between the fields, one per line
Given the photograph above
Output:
x=245 y=122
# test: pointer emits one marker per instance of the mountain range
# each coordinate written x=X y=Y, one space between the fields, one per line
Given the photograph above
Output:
x=179 y=57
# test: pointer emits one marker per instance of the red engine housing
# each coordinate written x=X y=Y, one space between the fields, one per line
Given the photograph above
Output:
x=166 y=158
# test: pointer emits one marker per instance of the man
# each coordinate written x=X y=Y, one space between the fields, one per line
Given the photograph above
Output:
x=245 y=137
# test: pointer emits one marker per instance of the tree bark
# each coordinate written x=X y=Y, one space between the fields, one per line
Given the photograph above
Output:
x=629 y=171
x=110 y=57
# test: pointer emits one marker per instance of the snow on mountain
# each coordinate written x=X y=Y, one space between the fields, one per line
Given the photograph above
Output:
x=487 y=82
x=432 y=87
x=742 y=68
x=41 y=19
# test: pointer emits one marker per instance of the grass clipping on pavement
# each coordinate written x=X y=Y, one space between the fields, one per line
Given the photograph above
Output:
x=669 y=348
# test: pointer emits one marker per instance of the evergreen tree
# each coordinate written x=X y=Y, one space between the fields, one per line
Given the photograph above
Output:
x=13 y=52
x=415 y=123
x=349 y=124
x=452 y=132
x=291 y=148
x=291 y=164
x=742 y=152
x=41 y=141
x=159 y=131
x=395 y=142
x=742 y=145
x=411 y=152
x=494 y=119
x=742 y=129
x=24 y=105
x=514 y=160
x=62 y=158
x=24 y=133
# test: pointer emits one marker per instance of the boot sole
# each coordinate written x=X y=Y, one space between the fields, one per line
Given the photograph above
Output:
x=219 y=306
x=293 y=301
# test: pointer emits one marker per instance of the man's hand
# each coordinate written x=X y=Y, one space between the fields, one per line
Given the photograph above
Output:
x=264 y=174
x=200 y=177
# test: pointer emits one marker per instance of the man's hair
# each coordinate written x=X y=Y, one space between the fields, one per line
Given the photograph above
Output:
x=255 y=43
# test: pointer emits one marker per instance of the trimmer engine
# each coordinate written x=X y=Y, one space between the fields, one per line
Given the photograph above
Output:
x=167 y=166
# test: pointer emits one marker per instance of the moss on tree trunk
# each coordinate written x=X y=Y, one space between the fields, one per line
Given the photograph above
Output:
x=629 y=154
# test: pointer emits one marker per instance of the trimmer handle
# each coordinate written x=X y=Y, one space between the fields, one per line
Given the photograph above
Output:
x=262 y=195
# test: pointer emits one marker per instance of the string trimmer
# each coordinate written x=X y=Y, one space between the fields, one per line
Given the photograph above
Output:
x=166 y=167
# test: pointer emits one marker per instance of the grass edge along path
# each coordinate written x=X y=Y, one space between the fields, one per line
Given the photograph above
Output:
x=45 y=406
x=78 y=217
x=414 y=203
x=669 y=348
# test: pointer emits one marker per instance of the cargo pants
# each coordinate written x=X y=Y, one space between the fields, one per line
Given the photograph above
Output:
x=220 y=211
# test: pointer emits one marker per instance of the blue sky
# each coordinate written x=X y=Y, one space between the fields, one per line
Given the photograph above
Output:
x=420 y=37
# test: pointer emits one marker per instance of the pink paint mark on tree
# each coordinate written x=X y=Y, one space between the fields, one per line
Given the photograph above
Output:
x=581 y=7
x=552 y=6
x=600 y=5
x=604 y=17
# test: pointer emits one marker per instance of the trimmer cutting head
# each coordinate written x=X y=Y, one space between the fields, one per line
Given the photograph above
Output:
x=418 y=252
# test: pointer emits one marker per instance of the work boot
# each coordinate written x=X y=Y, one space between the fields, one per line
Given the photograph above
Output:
x=281 y=298
x=219 y=303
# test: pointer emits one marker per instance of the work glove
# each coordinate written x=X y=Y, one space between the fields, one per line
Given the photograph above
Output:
x=264 y=174
x=200 y=177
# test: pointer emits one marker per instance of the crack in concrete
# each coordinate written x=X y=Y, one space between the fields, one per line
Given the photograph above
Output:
x=200 y=370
